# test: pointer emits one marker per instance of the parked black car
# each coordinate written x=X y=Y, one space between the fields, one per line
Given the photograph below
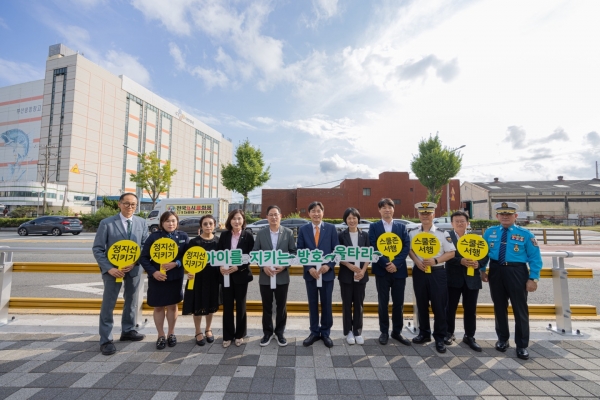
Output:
x=294 y=223
x=51 y=225
x=190 y=226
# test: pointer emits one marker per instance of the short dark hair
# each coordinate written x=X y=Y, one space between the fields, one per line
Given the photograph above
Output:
x=230 y=217
x=459 y=214
x=351 y=211
x=205 y=217
x=165 y=216
x=385 y=202
x=315 y=204
x=127 y=194
x=272 y=207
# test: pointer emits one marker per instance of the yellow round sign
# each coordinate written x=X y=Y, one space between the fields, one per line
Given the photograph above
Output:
x=425 y=245
x=472 y=246
x=163 y=250
x=123 y=253
x=389 y=244
x=195 y=259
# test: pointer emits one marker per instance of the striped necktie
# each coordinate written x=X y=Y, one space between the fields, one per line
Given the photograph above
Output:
x=503 y=239
x=129 y=229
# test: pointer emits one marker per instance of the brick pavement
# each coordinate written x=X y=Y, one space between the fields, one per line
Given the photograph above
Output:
x=37 y=363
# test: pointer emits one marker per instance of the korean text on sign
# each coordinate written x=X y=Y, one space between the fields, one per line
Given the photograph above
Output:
x=276 y=258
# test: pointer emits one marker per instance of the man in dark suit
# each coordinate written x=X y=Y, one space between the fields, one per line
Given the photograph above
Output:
x=275 y=237
x=460 y=283
x=123 y=226
x=390 y=276
x=322 y=236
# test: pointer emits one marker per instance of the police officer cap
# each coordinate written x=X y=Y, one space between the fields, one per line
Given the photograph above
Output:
x=426 y=207
x=506 y=207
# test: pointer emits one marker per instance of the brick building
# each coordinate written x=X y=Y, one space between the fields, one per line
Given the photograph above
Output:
x=363 y=194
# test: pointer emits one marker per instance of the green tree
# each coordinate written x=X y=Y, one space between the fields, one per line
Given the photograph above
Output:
x=153 y=177
x=434 y=166
x=249 y=172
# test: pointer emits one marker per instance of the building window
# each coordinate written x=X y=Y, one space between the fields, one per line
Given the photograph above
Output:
x=411 y=189
x=366 y=191
x=396 y=201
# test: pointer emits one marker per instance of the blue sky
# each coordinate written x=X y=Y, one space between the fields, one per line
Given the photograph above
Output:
x=330 y=89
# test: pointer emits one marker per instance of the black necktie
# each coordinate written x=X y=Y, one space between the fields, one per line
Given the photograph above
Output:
x=503 y=239
x=128 y=229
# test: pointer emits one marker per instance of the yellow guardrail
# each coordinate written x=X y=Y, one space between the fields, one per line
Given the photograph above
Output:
x=296 y=270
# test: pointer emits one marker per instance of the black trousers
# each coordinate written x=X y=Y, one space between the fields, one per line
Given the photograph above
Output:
x=234 y=293
x=280 y=294
x=353 y=295
x=469 y=302
x=385 y=284
x=508 y=282
x=431 y=287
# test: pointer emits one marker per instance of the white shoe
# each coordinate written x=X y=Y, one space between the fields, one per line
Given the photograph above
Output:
x=350 y=338
x=359 y=340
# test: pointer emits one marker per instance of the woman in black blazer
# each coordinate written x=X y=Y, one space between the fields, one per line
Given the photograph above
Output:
x=235 y=237
x=165 y=290
x=353 y=279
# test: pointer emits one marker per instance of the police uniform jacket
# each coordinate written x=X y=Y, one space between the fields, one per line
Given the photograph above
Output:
x=521 y=247
x=457 y=273
x=150 y=266
x=442 y=236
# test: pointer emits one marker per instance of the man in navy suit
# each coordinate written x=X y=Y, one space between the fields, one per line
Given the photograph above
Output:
x=322 y=236
x=123 y=226
x=390 y=276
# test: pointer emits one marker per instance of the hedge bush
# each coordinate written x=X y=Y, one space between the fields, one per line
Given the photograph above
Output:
x=91 y=221
x=478 y=224
x=13 y=222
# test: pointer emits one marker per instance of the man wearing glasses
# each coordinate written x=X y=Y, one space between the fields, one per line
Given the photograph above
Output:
x=123 y=226
x=511 y=249
x=276 y=237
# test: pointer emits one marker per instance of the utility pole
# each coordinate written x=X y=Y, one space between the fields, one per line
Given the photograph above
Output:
x=46 y=168
x=596 y=169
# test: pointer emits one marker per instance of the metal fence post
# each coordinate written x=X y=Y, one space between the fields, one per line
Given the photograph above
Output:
x=140 y=322
x=415 y=321
x=6 y=270
x=562 y=302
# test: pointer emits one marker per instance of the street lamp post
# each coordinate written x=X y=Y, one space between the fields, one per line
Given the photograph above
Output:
x=448 y=184
x=138 y=189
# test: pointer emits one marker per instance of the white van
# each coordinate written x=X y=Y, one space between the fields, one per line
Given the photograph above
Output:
x=189 y=207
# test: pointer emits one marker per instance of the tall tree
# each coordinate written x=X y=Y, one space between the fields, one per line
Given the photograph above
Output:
x=249 y=172
x=153 y=177
x=434 y=166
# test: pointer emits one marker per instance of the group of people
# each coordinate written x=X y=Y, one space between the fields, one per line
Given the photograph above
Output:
x=439 y=280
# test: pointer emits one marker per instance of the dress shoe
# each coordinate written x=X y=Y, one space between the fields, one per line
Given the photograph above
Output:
x=449 y=339
x=502 y=346
x=420 y=338
x=359 y=339
x=350 y=338
x=440 y=347
x=383 y=338
x=400 y=338
x=266 y=339
x=210 y=338
x=161 y=343
x=200 y=342
x=131 y=335
x=108 y=348
x=281 y=340
x=470 y=341
x=172 y=340
x=522 y=353
x=226 y=343
x=328 y=342
x=239 y=342
x=310 y=340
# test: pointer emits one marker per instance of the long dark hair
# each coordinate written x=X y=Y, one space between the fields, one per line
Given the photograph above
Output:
x=230 y=217
x=165 y=216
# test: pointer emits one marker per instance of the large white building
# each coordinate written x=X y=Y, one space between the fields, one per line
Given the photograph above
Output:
x=81 y=114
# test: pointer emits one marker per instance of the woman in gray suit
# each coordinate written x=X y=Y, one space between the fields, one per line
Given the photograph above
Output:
x=353 y=279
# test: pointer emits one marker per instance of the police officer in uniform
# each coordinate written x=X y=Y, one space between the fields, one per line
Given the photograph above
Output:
x=511 y=248
x=431 y=286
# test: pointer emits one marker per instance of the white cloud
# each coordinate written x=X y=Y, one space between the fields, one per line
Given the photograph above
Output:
x=322 y=127
x=14 y=72
x=3 y=24
x=264 y=120
x=349 y=169
x=177 y=56
x=173 y=16
x=210 y=77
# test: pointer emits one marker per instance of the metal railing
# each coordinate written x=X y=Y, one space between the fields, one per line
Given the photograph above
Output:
x=559 y=274
x=551 y=235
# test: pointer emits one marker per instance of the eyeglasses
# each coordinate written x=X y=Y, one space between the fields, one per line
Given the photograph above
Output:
x=131 y=205
x=460 y=222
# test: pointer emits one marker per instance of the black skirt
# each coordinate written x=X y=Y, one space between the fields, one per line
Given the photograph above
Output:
x=164 y=293
x=205 y=298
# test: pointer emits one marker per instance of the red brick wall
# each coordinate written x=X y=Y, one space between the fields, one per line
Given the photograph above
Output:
x=395 y=185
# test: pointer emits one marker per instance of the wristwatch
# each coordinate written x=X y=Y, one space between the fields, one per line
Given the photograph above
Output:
x=535 y=280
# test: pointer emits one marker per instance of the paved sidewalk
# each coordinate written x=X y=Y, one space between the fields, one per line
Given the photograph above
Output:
x=46 y=356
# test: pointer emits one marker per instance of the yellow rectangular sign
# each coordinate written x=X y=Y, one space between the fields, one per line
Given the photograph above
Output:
x=191 y=209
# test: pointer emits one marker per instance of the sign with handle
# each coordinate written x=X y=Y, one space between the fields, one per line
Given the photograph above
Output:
x=122 y=254
x=162 y=251
x=194 y=261
x=472 y=247
x=426 y=245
